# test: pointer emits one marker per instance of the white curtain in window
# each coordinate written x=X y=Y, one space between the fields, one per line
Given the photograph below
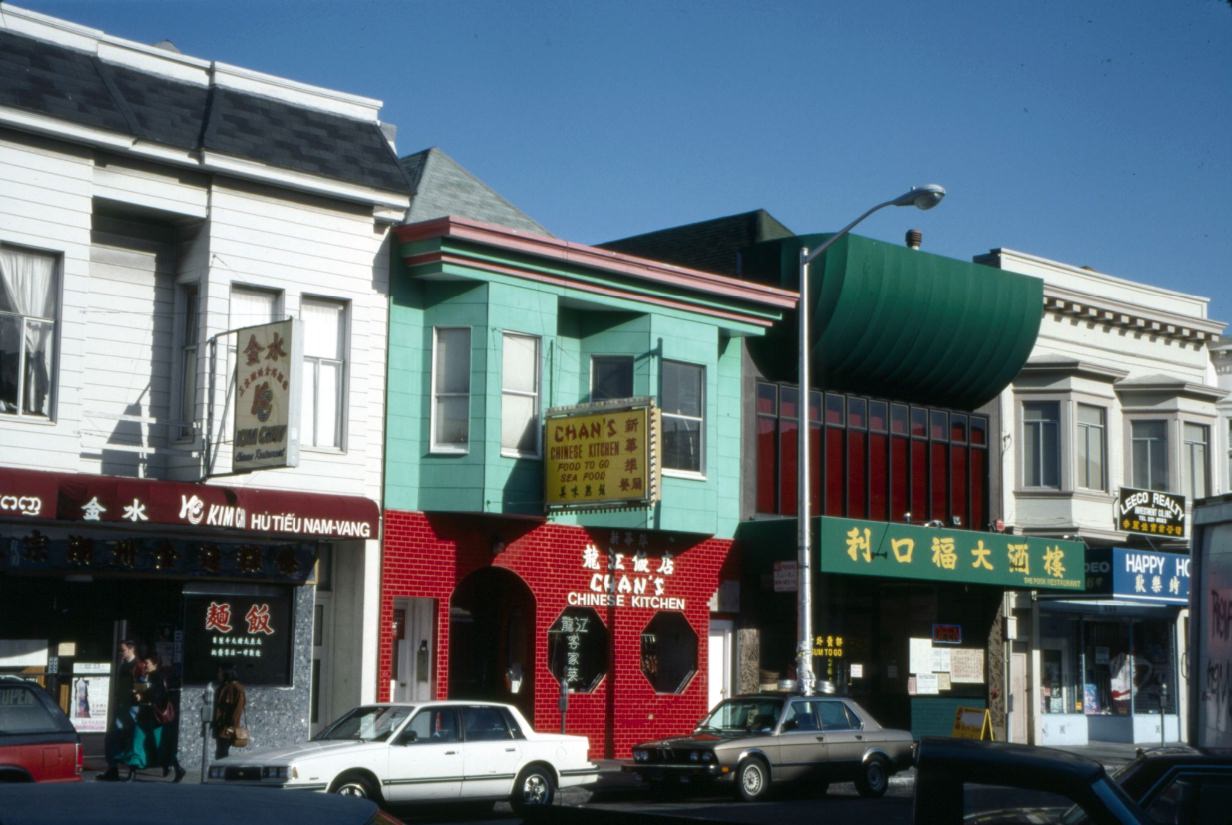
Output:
x=251 y=307
x=322 y=329
x=27 y=289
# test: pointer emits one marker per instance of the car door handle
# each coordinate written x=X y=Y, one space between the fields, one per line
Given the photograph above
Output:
x=451 y=753
x=821 y=738
x=511 y=750
x=860 y=736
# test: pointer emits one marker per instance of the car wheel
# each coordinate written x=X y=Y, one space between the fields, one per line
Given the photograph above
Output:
x=753 y=779
x=535 y=788
x=873 y=779
x=354 y=784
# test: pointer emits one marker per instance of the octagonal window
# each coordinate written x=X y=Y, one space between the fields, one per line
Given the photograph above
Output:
x=669 y=652
x=578 y=649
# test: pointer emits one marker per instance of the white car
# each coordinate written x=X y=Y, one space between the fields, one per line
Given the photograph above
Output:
x=426 y=752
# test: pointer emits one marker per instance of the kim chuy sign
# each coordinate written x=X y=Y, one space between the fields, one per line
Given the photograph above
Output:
x=267 y=390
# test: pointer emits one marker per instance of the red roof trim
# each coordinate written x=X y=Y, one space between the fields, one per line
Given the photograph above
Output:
x=582 y=255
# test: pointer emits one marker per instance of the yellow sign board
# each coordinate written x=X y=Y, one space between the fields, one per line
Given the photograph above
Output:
x=597 y=457
x=972 y=723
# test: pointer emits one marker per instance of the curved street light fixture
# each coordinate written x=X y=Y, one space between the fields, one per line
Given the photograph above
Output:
x=921 y=197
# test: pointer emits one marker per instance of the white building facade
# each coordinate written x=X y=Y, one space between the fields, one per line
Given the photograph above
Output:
x=150 y=205
x=1119 y=392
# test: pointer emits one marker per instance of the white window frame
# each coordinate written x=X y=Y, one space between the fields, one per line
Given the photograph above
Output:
x=533 y=395
x=26 y=322
x=1187 y=459
x=190 y=337
x=595 y=360
x=312 y=375
x=700 y=472
x=1131 y=474
x=1026 y=459
x=1084 y=434
x=449 y=448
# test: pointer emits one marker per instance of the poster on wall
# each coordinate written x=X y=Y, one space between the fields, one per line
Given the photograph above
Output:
x=967 y=665
x=91 y=690
x=920 y=655
x=252 y=632
x=927 y=684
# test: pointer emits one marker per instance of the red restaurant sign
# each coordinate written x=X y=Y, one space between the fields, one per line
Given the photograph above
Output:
x=31 y=494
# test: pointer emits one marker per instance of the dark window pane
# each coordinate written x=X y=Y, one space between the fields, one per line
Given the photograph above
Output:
x=682 y=444
x=681 y=391
x=611 y=377
x=767 y=399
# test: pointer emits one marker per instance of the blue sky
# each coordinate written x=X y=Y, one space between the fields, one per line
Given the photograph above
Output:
x=1096 y=133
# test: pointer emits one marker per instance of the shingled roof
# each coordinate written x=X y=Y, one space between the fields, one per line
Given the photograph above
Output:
x=53 y=80
x=440 y=186
x=711 y=246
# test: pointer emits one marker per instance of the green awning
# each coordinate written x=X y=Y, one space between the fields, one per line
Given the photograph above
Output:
x=898 y=323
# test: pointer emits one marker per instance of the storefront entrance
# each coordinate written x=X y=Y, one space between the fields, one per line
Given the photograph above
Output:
x=491 y=649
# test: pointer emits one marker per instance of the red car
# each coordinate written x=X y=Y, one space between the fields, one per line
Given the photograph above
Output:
x=37 y=741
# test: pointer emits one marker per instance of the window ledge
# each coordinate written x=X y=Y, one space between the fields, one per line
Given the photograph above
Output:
x=690 y=475
x=32 y=420
x=522 y=456
x=445 y=451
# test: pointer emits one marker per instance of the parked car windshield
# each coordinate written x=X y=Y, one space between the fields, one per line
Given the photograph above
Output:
x=366 y=724
x=746 y=715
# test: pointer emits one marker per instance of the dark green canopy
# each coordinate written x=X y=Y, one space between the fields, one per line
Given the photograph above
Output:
x=898 y=323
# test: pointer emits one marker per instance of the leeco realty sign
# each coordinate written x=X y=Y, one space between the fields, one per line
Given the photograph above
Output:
x=267 y=391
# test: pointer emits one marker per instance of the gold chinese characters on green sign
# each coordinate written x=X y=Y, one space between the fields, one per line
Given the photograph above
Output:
x=874 y=548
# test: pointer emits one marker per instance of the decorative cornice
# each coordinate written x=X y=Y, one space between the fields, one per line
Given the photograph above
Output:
x=1171 y=386
x=1062 y=302
x=1074 y=367
x=578 y=255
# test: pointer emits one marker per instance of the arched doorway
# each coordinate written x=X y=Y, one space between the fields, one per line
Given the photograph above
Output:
x=491 y=644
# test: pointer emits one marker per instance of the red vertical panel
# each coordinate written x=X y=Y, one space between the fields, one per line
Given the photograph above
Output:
x=857 y=478
x=900 y=477
x=878 y=476
x=919 y=480
x=979 y=489
x=788 y=466
x=938 y=473
x=834 y=471
x=767 y=465
x=958 y=484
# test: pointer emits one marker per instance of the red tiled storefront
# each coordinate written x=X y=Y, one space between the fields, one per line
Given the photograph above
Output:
x=426 y=556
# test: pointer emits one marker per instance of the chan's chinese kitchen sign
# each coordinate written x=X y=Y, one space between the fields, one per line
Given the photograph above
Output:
x=877 y=548
x=267 y=391
x=252 y=632
x=598 y=457
x=1152 y=512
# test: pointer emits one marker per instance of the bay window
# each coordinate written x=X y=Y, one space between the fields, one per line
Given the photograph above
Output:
x=451 y=389
x=1091 y=447
x=1149 y=454
x=520 y=395
x=1041 y=447
x=681 y=395
x=1197 y=472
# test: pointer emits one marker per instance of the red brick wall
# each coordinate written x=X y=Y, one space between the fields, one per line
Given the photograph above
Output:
x=425 y=556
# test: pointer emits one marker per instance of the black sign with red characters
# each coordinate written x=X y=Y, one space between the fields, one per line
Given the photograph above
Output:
x=252 y=632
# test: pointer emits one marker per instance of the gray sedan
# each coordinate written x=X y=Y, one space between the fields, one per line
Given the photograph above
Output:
x=754 y=742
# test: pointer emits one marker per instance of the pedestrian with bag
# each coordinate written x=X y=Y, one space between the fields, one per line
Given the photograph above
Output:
x=155 y=742
x=228 y=721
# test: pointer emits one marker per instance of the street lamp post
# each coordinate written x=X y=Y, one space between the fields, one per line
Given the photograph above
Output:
x=921 y=197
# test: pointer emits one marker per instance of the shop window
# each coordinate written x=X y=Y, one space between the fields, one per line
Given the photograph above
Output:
x=28 y=314
x=682 y=397
x=789 y=447
x=938 y=464
x=919 y=464
x=1106 y=654
x=978 y=436
x=857 y=444
x=1060 y=690
x=836 y=477
x=878 y=461
x=578 y=649
x=1149 y=450
x=669 y=652
x=767 y=448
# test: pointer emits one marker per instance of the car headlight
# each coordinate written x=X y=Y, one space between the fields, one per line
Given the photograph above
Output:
x=694 y=756
x=274 y=772
x=217 y=771
x=707 y=756
x=640 y=756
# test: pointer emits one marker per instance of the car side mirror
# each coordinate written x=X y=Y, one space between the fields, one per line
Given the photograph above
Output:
x=407 y=738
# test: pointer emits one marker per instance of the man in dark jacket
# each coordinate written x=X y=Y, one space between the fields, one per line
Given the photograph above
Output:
x=119 y=739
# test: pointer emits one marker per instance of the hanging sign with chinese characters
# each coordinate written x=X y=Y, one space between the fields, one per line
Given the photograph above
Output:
x=877 y=548
x=267 y=390
x=252 y=632
x=1150 y=511
x=598 y=457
